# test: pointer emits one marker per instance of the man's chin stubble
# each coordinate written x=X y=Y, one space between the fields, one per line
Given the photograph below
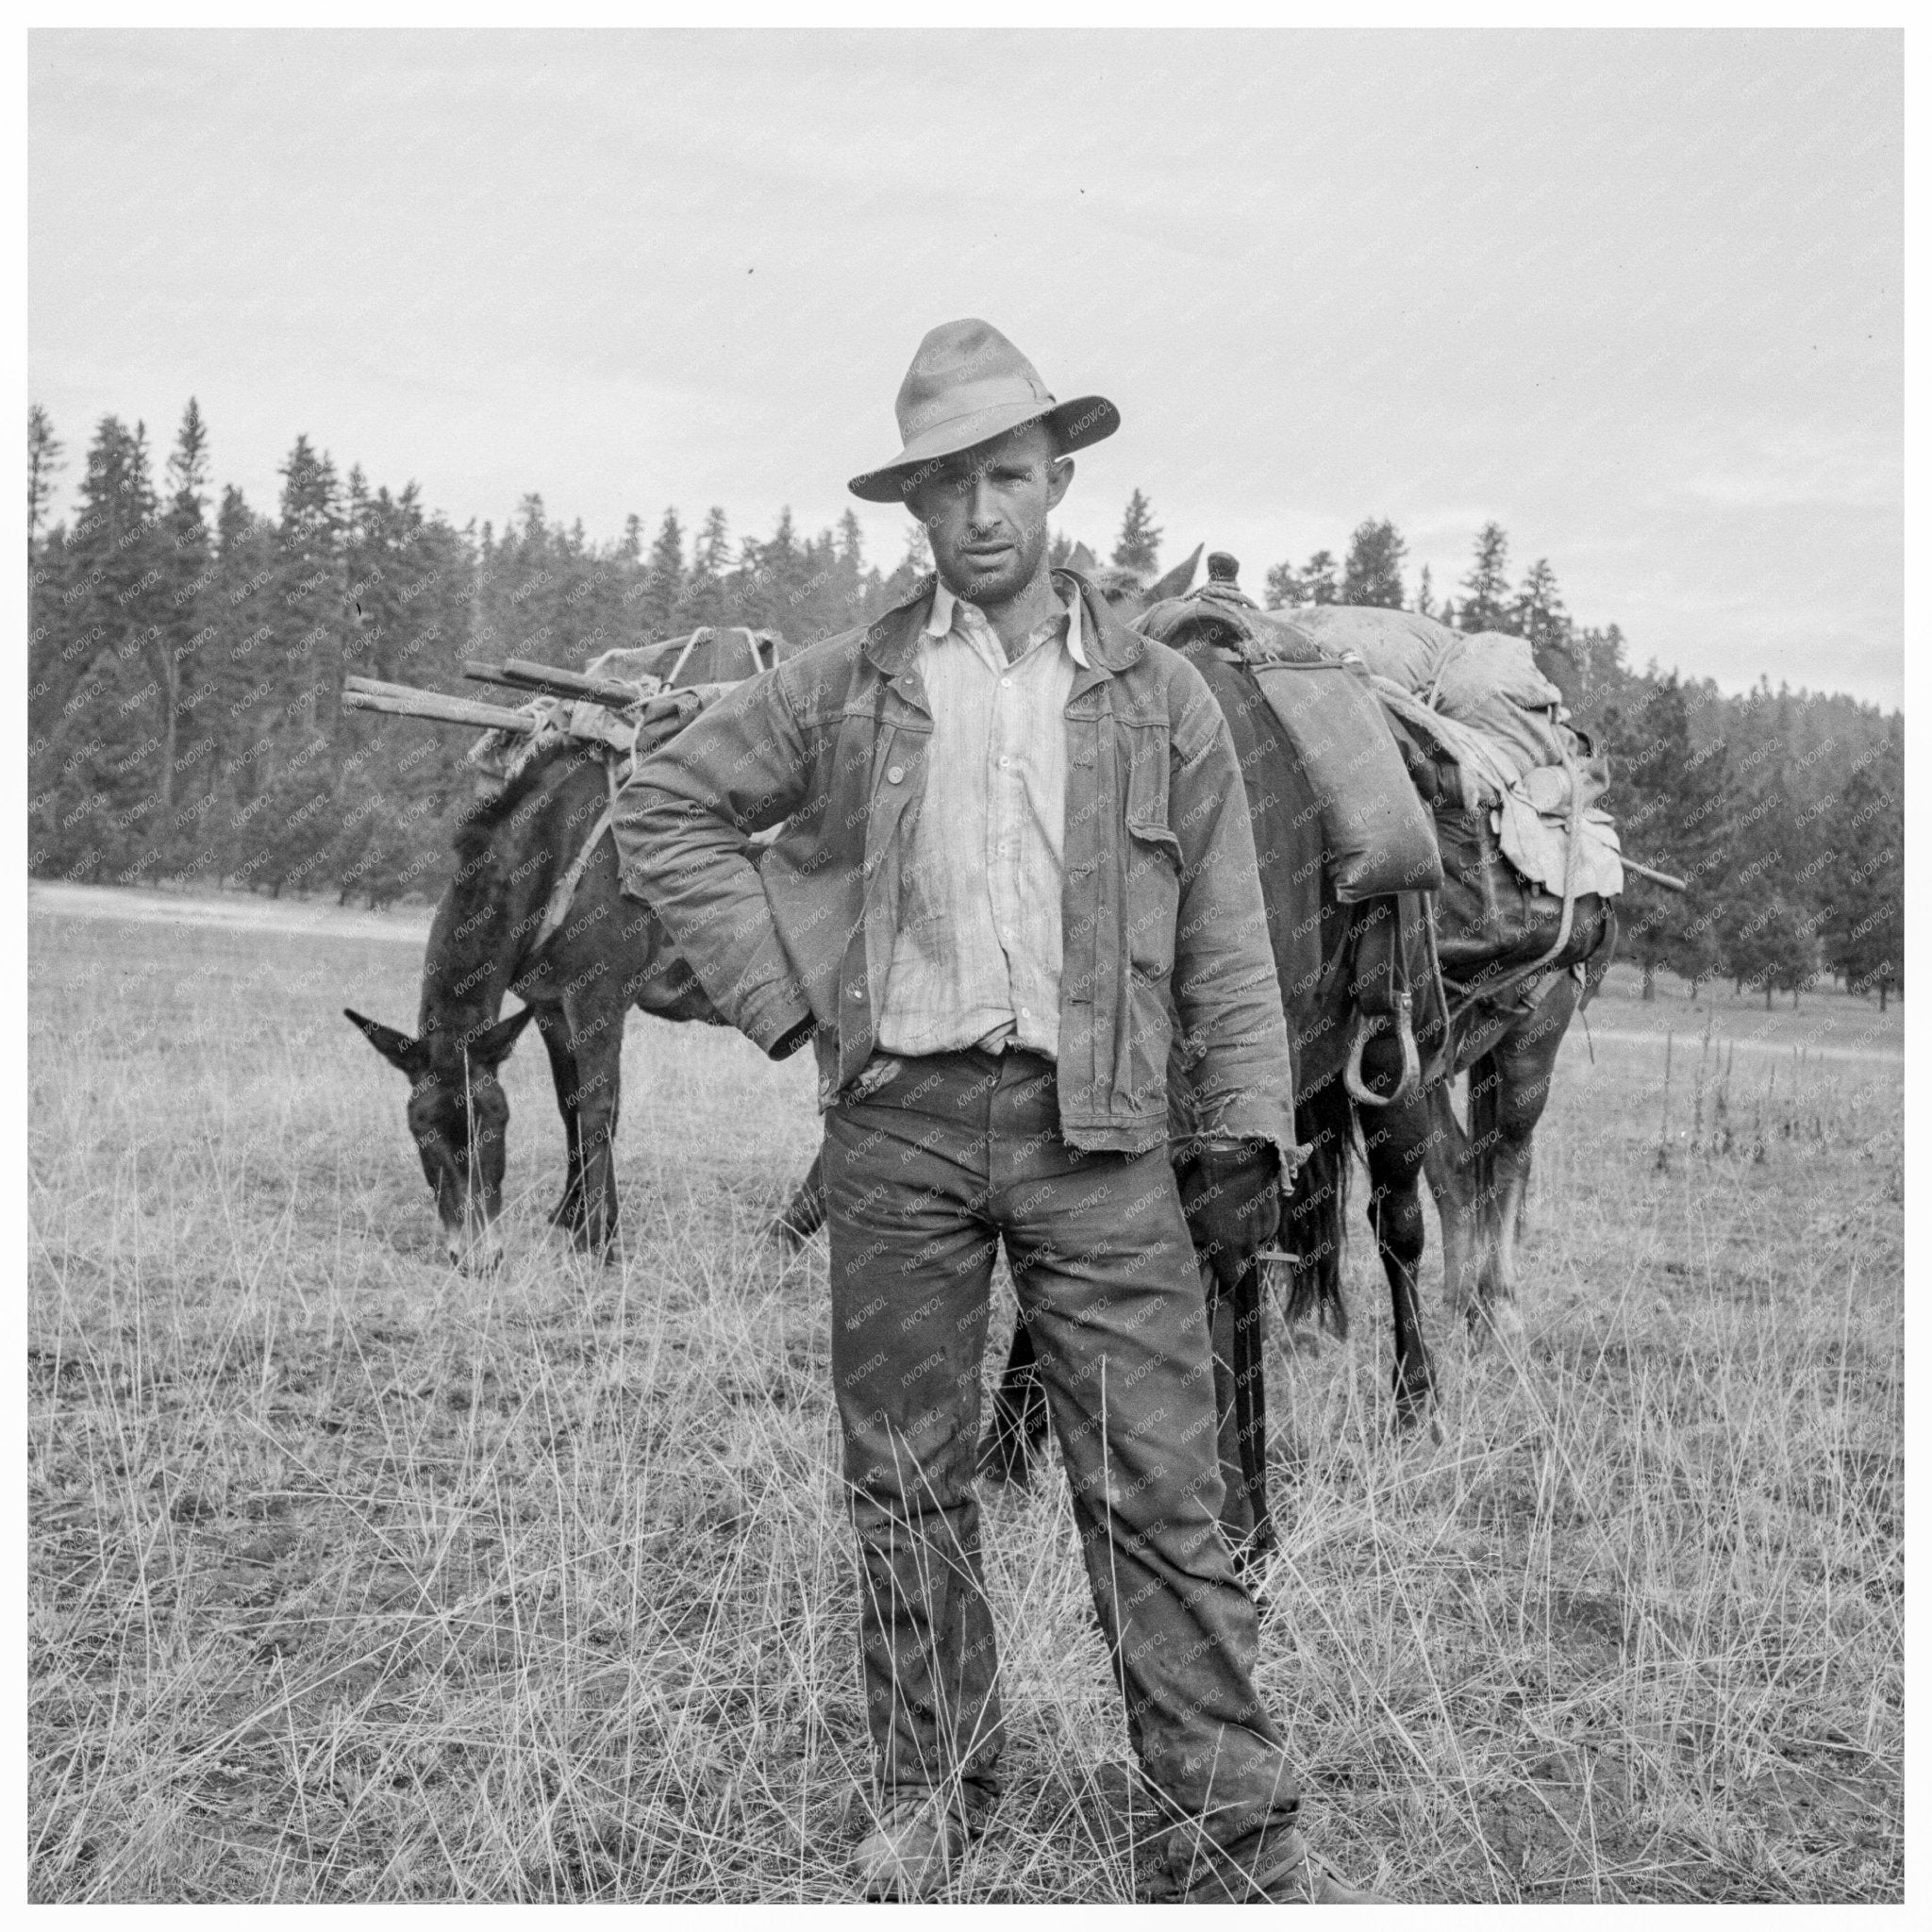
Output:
x=999 y=585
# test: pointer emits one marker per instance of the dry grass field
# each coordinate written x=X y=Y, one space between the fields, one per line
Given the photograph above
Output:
x=354 y=1579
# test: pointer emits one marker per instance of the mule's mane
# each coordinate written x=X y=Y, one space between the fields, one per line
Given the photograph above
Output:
x=479 y=825
x=471 y=945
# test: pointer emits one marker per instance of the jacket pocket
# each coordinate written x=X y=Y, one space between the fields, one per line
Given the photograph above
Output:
x=1150 y=906
x=1152 y=902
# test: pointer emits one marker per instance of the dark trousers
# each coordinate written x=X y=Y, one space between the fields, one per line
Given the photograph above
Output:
x=925 y=1179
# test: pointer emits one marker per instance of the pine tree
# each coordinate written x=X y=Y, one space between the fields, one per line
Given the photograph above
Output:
x=299 y=654
x=1315 y=583
x=312 y=589
x=1540 y=613
x=1138 y=547
x=1767 y=916
x=1863 y=896
x=175 y=653
x=840 y=600
x=664 y=580
x=1318 y=580
x=1666 y=796
x=770 y=583
x=104 y=743
x=43 y=454
x=1489 y=605
x=703 y=601
x=1372 y=573
x=916 y=563
x=1539 y=616
x=1772 y=943
x=1424 y=595
x=235 y=694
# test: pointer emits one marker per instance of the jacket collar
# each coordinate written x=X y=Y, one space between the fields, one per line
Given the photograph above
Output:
x=893 y=639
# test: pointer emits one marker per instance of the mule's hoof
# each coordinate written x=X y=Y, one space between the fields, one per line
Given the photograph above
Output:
x=1412 y=1410
x=1501 y=1322
x=605 y=1249
x=1438 y=1434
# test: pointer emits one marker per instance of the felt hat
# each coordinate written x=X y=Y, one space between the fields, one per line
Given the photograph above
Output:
x=967 y=384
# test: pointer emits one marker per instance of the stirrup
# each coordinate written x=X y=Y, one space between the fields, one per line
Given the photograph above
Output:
x=1366 y=1026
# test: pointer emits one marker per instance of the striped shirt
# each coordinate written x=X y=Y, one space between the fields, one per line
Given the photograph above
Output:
x=975 y=957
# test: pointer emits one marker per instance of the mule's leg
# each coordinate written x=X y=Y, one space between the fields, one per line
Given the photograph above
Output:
x=551 y=1023
x=1019 y=1415
x=597 y=1048
x=1314 y=1218
x=1395 y=1144
x=1522 y=1063
x=806 y=1213
x=1449 y=1162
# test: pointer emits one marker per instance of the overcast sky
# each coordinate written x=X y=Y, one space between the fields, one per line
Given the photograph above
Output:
x=1635 y=296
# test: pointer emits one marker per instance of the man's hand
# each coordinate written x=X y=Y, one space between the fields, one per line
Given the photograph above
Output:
x=1231 y=1195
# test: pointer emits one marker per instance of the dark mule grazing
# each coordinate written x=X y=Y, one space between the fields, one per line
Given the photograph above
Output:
x=609 y=953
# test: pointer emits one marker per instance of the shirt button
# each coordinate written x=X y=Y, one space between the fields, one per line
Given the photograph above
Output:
x=894 y=772
x=857 y=992
x=1004 y=681
x=1005 y=764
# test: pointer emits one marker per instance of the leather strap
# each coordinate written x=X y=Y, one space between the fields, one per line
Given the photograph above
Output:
x=557 y=908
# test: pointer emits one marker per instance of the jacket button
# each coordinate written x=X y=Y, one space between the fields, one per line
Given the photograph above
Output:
x=894 y=772
x=857 y=992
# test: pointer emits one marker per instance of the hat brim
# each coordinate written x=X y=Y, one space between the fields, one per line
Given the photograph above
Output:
x=1085 y=420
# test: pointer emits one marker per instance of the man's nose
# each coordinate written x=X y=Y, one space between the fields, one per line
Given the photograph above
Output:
x=982 y=511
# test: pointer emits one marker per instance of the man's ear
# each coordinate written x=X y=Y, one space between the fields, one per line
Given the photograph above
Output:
x=398 y=1049
x=492 y=1048
x=1057 y=478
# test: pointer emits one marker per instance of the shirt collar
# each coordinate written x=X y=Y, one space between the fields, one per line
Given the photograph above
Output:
x=943 y=604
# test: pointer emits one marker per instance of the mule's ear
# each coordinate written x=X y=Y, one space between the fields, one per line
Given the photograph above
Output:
x=1175 y=584
x=492 y=1049
x=398 y=1049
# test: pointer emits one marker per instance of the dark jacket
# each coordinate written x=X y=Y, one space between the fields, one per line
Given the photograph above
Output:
x=1161 y=904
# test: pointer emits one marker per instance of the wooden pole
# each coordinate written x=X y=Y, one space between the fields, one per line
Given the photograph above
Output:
x=406 y=701
x=1656 y=878
x=554 y=682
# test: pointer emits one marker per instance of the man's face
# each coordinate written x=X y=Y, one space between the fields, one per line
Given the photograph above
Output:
x=985 y=510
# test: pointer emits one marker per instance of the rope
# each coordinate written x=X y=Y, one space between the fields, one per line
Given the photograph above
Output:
x=701 y=636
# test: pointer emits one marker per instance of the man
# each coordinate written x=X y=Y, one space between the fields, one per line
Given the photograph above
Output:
x=1016 y=857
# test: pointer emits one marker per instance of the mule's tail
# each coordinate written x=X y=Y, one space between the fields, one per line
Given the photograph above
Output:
x=1314 y=1222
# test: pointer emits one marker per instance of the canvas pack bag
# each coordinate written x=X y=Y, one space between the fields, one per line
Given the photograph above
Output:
x=1377 y=836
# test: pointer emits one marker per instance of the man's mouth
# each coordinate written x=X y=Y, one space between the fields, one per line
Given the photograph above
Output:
x=986 y=553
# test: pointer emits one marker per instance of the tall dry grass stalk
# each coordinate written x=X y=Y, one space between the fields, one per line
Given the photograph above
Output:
x=354 y=1579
